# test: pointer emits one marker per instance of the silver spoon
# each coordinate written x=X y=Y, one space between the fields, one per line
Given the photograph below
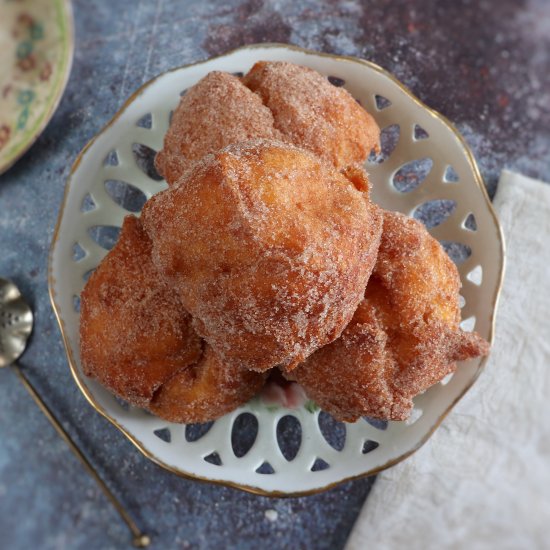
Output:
x=16 y=322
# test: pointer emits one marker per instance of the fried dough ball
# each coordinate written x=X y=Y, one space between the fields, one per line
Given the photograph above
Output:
x=214 y=113
x=207 y=390
x=134 y=334
x=137 y=340
x=269 y=248
x=314 y=114
x=403 y=338
x=283 y=101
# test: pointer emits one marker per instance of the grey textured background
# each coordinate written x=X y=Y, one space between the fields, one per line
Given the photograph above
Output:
x=483 y=64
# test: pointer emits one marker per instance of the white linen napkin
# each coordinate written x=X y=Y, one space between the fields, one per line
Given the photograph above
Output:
x=483 y=479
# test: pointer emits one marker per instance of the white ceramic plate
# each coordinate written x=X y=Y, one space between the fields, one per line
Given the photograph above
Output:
x=361 y=448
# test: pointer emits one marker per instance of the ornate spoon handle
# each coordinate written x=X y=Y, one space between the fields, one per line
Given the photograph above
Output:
x=139 y=539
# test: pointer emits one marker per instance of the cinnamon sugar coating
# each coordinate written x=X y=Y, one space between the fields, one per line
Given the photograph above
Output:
x=137 y=340
x=404 y=336
x=283 y=101
x=312 y=113
x=206 y=391
x=269 y=249
x=214 y=113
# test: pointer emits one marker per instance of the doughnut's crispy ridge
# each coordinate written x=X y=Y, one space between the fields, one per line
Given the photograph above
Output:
x=214 y=113
x=269 y=248
x=404 y=337
x=312 y=113
x=137 y=340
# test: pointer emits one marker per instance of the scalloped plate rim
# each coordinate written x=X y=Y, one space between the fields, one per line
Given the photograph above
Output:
x=133 y=438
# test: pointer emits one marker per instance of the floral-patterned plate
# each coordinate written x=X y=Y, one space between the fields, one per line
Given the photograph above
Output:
x=36 y=50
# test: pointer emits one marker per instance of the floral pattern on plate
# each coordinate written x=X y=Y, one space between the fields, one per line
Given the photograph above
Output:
x=36 y=47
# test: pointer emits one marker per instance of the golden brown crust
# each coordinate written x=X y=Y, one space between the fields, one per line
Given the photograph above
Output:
x=283 y=101
x=403 y=338
x=269 y=248
x=135 y=338
x=189 y=397
x=269 y=244
x=133 y=332
x=214 y=113
x=312 y=113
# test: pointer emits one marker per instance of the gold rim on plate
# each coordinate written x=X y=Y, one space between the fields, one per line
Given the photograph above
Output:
x=248 y=488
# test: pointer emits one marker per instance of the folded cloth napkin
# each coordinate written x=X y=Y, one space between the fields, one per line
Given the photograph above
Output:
x=483 y=479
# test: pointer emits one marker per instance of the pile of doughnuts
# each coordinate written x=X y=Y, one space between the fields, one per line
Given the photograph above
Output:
x=266 y=254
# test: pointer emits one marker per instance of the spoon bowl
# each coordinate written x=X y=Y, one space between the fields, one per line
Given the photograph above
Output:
x=16 y=320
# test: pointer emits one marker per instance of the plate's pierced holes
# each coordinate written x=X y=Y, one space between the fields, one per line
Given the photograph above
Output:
x=389 y=137
x=265 y=468
x=164 y=434
x=375 y=423
x=78 y=252
x=468 y=324
x=289 y=436
x=319 y=465
x=126 y=195
x=111 y=159
x=446 y=379
x=105 y=236
x=415 y=415
x=194 y=432
x=461 y=301
x=419 y=133
x=145 y=159
x=458 y=252
x=333 y=431
x=243 y=434
x=434 y=213
x=146 y=121
x=369 y=446
x=88 y=274
x=336 y=81
x=450 y=175
x=88 y=203
x=76 y=303
x=476 y=275
x=412 y=174
x=213 y=458
x=470 y=223
x=381 y=102
x=124 y=405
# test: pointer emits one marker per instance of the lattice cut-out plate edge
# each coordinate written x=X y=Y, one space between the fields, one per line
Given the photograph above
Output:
x=290 y=478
